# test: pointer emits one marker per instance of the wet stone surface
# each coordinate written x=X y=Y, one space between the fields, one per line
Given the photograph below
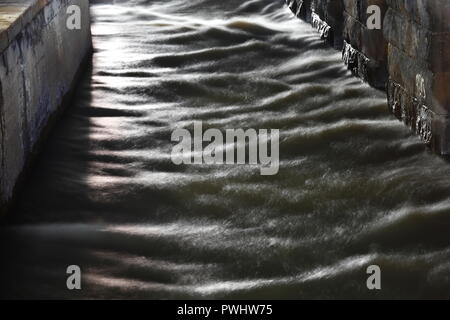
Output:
x=412 y=49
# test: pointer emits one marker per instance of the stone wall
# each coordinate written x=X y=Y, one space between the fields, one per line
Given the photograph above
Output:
x=324 y=15
x=409 y=56
x=343 y=24
x=39 y=61
x=365 y=50
x=418 y=33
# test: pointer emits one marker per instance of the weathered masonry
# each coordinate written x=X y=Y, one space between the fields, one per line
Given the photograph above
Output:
x=409 y=56
x=40 y=58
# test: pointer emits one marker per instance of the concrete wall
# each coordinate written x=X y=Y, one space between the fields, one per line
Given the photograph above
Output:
x=409 y=56
x=39 y=61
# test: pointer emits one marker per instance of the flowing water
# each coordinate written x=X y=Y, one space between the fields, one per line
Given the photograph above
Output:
x=354 y=188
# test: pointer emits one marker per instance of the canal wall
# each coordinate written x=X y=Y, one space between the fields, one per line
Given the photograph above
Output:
x=41 y=56
x=408 y=55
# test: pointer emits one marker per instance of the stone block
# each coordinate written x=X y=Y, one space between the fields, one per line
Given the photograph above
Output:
x=301 y=8
x=431 y=127
x=370 y=42
x=430 y=88
x=358 y=8
x=418 y=42
x=431 y=14
x=327 y=18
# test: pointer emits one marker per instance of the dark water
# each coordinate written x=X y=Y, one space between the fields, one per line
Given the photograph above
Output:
x=355 y=188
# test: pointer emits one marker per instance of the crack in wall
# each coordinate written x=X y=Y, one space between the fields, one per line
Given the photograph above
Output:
x=2 y=146
x=26 y=132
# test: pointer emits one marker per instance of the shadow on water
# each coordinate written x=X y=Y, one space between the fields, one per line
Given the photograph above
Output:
x=27 y=258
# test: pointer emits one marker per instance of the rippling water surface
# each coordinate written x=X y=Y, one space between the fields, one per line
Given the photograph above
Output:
x=355 y=188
